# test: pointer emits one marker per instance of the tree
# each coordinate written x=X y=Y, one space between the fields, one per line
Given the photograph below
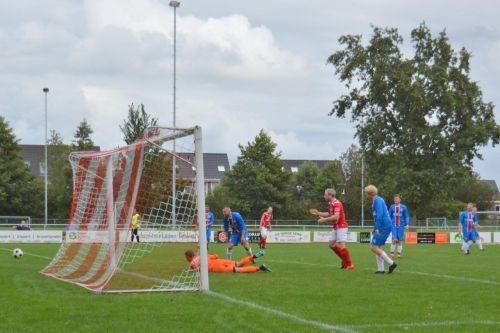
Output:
x=82 y=136
x=421 y=120
x=60 y=177
x=20 y=192
x=135 y=124
x=257 y=180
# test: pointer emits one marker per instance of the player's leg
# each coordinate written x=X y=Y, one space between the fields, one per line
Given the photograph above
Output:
x=132 y=236
x=377 y=242
x=401 y=237
x=137 y=234
x=246 y=244
x=249 y=269
x=394 y=241
x=479 y=241
x=209 y=235
x=332 y=243
x=233 y=241
x=342 y=248
x=263 y=238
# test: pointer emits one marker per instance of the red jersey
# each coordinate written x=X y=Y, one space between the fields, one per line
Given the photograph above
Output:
x=335 y=206
x=265 y=220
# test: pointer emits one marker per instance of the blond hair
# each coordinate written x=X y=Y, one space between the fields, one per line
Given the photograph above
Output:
x=371 y=189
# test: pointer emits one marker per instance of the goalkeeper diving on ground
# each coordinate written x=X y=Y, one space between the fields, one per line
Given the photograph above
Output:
x=216 y=265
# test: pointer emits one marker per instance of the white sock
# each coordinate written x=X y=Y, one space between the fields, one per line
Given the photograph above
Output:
x=464 y=247
x=400 y=248
x=386 y=258
x=380 y=263
x=393 y=247
x=480 y=243
x=249 y=251
x=229 y=254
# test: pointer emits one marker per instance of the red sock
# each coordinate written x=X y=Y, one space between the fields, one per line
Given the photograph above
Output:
x=346 y=256
x=264 y=240
x=337 y=252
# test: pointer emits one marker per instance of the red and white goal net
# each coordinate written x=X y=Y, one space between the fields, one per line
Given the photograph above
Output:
x=99 y=251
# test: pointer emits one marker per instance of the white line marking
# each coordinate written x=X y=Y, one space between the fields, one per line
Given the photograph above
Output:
x=441 y=276
x=28 y=253
x=429 y=324
x=317 y=324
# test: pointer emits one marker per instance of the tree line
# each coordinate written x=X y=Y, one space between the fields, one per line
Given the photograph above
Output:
x=419 y=117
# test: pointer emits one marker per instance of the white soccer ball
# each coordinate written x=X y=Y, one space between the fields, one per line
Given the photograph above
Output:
x=17 y=253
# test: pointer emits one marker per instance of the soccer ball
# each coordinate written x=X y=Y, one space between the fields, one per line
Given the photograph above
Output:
x=17 y=253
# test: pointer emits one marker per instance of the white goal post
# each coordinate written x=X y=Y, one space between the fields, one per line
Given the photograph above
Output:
x=128 y=231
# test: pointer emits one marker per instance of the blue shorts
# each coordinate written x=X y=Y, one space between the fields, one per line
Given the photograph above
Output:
x=470 y=235
x=398 y=233
x=379 y=240
x=209 y=234
x=238 y=236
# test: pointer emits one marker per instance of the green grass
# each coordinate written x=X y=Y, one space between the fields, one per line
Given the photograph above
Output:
x=305 y=283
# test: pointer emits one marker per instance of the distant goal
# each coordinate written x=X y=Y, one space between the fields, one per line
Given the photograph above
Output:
x=108 y=187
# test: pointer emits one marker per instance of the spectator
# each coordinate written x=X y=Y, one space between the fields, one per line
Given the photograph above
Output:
x=22 y=226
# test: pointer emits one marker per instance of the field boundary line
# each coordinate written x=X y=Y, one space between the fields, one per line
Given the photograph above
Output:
x=441 y=276
x=429 y=324
x=28 y=253
x=317 y=324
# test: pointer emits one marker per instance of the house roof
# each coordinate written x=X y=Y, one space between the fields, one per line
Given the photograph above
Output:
x=289 y=164
x=215 y=165
x=34 y=156
x=492 y=183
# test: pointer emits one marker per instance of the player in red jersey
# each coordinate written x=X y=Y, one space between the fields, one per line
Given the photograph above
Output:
x=265 y=226
x=337 y=216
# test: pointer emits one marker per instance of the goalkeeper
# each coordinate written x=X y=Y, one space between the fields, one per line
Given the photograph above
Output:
x=216 y=265
x=135 y=225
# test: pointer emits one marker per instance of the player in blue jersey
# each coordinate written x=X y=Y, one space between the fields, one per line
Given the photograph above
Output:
x=381 y=230
x=467 y=225
x=210 y=220
x=479 y=239
x=239 y=232
x=400 y=217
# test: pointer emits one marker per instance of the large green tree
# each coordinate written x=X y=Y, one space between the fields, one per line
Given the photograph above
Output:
x=60 y=177
x=82 y=140
x=420 y=117
x=20 y=192
x=137 y=121
x=257 y=180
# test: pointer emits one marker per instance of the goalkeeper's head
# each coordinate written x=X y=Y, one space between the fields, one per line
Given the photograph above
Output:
x=189 y=254
x=329 y=194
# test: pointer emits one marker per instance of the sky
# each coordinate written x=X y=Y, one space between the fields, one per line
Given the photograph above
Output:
x=242 y=66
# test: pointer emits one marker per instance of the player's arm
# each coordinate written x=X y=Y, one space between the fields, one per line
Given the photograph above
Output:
x=379 y=213
x=330 y=218
x=315 y=212
x=262 y=220
x=210 y=220
x=407 y=217
x=239 y=221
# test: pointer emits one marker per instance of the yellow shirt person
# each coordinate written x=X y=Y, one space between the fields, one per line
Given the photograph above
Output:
x=136 y=224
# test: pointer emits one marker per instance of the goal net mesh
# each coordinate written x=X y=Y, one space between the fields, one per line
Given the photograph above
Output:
x=99 y=251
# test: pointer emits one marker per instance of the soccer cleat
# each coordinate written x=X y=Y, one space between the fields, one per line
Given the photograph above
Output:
x=392 y=267
x=391 y=255
x=380 y=272
x=259 y=254
x=264 y=268
x=468 y=252
x=350 y=267
x=399 y=256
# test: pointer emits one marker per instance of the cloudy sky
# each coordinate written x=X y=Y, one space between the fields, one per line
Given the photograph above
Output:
x=242 y=65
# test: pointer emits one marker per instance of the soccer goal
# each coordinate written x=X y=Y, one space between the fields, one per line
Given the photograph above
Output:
x=160 y=178
x=436 y=222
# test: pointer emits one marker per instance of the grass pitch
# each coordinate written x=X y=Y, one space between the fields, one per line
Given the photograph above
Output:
x=434 y=289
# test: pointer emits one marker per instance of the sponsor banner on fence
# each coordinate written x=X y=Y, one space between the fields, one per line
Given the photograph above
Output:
x=441 y=237
x=221 y=237
x=289 y=237
x=31 y=236
x=146 y=236
x=426 y=237
x=410 y=237
x=486 y=237
x=456 y=238
x=324 y=236
x=496 y=237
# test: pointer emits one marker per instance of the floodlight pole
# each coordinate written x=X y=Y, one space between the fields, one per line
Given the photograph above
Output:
x=362 y=179
x=46 y=166
x=174 y=4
